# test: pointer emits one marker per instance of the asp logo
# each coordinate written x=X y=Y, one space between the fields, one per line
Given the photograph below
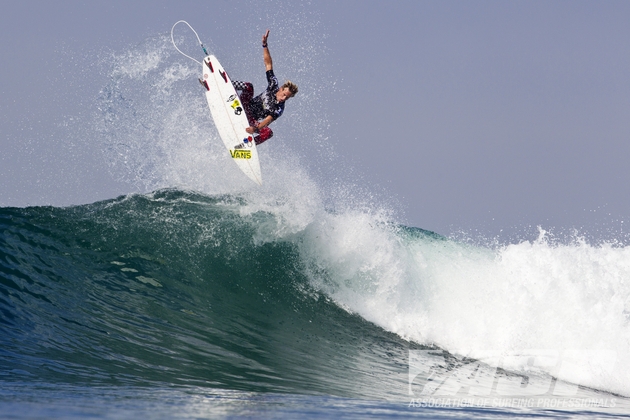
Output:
x=527 y=373
x=241 y=154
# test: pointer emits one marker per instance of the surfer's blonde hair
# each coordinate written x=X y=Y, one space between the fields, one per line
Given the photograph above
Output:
x=291 y=86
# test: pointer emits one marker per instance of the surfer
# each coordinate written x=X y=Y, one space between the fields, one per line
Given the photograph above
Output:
x=267 y=107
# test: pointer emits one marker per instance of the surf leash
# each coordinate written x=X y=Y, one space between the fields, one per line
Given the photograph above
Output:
x=195 y=32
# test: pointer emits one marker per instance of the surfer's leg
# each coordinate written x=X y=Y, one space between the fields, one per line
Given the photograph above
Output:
x=264 y=135
x=246 y=88
x=246 y=95
x=238 y=85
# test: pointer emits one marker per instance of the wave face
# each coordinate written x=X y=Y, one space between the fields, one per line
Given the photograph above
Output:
x=183 y=288
x=178 y=288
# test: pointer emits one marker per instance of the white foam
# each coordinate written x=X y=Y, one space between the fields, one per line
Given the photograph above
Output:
x=573 y=299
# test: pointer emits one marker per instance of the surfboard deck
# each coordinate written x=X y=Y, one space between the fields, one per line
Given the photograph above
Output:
x=229 y=117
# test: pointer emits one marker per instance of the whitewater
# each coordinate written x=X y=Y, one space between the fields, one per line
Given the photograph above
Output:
x=208 y=295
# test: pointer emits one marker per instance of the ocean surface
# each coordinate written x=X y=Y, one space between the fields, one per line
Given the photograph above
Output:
x=180 y=304
x=204 y=296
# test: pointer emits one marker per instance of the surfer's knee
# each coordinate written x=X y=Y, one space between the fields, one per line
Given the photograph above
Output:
x=264 y=135
x=248 y=89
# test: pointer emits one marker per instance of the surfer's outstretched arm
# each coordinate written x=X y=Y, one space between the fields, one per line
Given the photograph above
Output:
x=266 y=55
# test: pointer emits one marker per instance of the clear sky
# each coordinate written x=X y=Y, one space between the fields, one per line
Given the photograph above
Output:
x=475 y=115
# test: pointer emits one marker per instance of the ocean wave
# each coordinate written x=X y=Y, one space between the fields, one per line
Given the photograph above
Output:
x=184 y=288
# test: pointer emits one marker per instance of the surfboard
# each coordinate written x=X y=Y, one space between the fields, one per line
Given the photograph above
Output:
x=229 y=117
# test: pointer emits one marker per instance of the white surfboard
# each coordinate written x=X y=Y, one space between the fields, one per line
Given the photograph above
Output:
x=229 y=117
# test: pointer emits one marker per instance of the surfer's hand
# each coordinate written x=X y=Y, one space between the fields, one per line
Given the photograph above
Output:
x=251 y=130
x=264 y=38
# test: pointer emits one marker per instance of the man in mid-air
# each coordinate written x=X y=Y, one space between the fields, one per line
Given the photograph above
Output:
x=265 y=108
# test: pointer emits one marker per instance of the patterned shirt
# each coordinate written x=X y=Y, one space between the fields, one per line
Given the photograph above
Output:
x=266 y=103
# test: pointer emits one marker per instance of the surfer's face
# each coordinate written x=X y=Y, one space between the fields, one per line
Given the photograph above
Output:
x=283 y=94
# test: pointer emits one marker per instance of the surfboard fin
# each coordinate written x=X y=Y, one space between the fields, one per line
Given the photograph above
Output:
x=204 y=84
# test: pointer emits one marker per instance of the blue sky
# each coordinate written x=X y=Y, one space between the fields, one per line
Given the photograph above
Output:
x=485 y=116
